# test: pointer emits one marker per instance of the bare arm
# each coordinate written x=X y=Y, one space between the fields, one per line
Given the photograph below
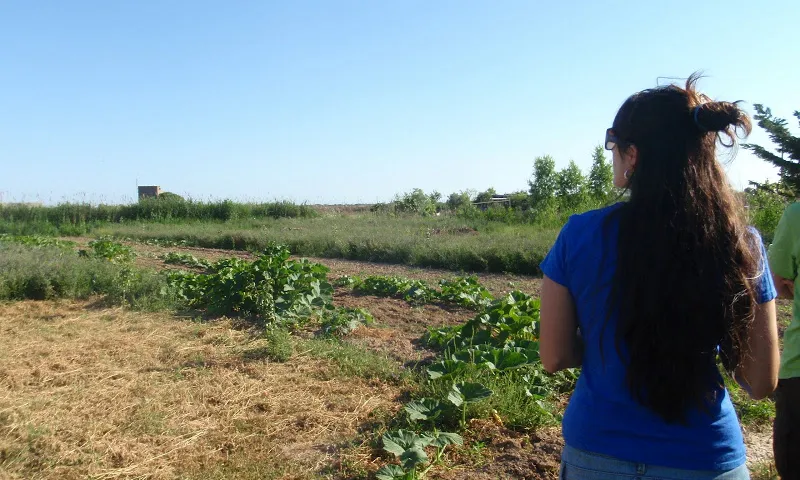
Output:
x=758 y=372
x=783 y=252
x=560 y=345
x=784 y=286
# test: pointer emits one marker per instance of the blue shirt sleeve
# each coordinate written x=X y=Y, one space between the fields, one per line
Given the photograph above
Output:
x=764 y=286
x=554 y=264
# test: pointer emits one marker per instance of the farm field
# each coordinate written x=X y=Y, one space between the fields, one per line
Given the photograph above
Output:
x=108 y=385
x=453 y=242
x=438 y=243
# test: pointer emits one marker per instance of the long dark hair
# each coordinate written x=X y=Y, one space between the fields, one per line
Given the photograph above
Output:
x=685 y=257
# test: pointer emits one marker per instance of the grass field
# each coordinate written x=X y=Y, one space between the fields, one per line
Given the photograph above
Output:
x=448 y=243
x=97 y=384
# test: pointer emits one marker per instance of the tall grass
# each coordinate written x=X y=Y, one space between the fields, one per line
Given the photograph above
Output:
x=152 y=209
x=448 y=243
x=41 y=273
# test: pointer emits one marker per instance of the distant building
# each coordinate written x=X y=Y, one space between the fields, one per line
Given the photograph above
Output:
x=497 y=199
x=149 y=191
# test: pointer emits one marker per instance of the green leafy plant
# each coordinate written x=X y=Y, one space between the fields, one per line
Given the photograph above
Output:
x=37 y=241
x=512 y=318
x=441 y=440
x=270 y=289
x=413 y=291
x=424 y=409
x=187 y=259
x=393 y=472
x=279 y=344
x=465 y=291
x=409 y=448
x=513 y=354
x=464 y=393
x=105 y=247
x=347 y=281
x=446 y=368
x=342 y=321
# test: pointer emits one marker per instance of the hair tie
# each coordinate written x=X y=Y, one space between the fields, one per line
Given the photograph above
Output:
x=696 y=122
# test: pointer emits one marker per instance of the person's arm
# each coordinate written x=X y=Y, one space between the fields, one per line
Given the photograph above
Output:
x=757 y=374
x=782 y=259
x=560 y=344
x=784 y=286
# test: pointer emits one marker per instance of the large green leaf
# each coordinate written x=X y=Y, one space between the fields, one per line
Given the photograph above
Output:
x=455 y=396
x=443 y=439
x=423 y=409
x=471 y=392
x=507 y=358
x=393 y=444
x=445 y=368
x=402 y=440
x=413 y=457
x=391 y=472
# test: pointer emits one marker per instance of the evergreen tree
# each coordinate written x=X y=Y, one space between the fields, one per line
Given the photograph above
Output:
x=787 y=158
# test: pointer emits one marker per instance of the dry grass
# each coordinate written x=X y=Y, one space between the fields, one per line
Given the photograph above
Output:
x=106 y=394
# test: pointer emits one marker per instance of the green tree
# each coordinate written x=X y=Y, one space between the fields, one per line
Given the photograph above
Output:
x=765 y=207
x=543 y=183
x=170 y=196
x=485 y=196
x=787 y=158
x=601 y=177
x=458 y=200
x=571 y=191
x=519 y=200
x=415 y=201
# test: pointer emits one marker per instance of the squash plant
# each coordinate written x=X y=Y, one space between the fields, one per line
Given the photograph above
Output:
x=270 y=289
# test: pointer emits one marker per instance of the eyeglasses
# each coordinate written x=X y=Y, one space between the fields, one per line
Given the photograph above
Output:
x=611 y=139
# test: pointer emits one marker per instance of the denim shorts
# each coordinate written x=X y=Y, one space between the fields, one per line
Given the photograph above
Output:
x=581 y=465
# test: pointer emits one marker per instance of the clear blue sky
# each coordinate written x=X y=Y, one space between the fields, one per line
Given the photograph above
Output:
x=341 y=101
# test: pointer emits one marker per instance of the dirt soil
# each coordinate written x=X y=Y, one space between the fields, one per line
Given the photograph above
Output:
x=398 y=326
x=507 y=454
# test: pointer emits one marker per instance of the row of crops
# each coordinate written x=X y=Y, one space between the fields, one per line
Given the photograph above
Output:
x=488 y=366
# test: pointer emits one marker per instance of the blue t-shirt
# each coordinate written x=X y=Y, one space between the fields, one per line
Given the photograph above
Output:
x=602 y=416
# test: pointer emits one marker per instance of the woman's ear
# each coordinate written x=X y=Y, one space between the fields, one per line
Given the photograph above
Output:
x=631 y=157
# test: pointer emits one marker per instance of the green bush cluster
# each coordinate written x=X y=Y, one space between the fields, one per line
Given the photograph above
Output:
x=271 y=289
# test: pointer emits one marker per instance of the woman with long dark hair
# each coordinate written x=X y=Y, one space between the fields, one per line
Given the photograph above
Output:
x=650 y=294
